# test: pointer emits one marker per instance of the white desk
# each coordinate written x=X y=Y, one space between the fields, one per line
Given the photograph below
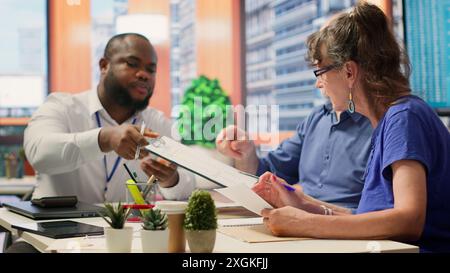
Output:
x=17 y=186
x=223 y=242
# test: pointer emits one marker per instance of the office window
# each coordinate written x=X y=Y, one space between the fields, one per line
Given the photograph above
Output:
x=23 y=51
x=427 y=29
x=104 y=16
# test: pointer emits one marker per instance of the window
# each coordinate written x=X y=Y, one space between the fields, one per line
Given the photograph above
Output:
x=23 y=51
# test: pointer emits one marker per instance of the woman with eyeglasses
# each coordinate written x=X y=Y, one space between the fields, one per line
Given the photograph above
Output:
x=361 y=68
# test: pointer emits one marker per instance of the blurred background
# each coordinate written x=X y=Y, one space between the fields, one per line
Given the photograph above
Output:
x=253 y=48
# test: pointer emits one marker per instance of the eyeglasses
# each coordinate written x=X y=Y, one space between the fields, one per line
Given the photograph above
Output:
x=324 y=70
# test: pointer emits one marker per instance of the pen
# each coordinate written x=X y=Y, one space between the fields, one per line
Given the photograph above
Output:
x=287 y=187
x=129 y=172
x=138 y=148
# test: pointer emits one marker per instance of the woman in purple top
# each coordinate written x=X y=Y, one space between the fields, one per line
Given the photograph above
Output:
x=407 y=182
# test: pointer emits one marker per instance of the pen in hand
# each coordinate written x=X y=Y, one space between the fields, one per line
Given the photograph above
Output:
x=138 y=149
x=287 y=187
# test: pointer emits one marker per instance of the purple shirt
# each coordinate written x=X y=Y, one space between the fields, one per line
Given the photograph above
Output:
x=410 y=130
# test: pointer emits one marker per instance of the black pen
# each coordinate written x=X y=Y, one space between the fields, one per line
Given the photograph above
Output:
x=129 y=172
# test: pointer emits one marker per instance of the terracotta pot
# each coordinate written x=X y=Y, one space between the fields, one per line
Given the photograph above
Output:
x=155 y=241
x=201 y=241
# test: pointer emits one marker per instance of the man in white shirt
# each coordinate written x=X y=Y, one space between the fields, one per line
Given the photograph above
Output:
x=78 y=143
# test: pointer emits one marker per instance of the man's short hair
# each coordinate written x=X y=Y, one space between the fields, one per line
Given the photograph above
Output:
x=109 y=49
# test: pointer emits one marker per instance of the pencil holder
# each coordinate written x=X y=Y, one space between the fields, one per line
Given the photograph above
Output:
x=139 y=198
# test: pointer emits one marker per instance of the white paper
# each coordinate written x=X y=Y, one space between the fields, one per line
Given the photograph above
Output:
x=246 y=197
x=207 y=167
x=239 y=222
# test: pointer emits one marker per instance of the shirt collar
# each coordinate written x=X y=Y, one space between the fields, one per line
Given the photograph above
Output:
x=94 y=102
x=328 y=110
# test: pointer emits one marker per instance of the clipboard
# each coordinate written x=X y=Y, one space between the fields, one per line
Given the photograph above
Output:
x=211 y=169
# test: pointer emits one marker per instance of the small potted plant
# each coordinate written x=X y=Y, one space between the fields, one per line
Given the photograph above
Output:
x=118 y=237
x=154 y=233
x=201 y=222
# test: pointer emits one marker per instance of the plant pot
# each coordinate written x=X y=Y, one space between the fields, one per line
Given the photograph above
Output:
x=155 y=241
x=204 y=152
x=201 y=241
x=119 y=240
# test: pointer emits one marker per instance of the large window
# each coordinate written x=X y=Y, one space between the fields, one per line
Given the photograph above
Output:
x=23 y=55
x=427 y=24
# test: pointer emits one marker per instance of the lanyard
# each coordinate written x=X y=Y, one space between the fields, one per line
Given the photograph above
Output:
x=116 y=163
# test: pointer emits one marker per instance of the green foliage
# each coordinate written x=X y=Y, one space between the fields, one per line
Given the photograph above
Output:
x=201 y=212
x=115 y=216
x=154 y=219
x=214 y=101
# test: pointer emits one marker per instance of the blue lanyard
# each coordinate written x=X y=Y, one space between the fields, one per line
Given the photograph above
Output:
x=109 y=177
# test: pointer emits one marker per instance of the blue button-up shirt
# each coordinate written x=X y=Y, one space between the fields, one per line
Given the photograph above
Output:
x=327 y=156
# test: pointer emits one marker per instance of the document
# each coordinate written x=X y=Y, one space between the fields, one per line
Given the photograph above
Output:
x=246 y=197
x=206 y=167
x=238 y=184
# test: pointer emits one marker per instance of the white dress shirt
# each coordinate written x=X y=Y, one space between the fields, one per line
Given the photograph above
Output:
x=61 y=143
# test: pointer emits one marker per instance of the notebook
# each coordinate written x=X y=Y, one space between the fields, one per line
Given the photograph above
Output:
x=29 y=210
x=251 y=230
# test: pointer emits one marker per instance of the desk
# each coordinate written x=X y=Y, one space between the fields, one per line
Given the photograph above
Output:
x=17 y=186
x=224 y=243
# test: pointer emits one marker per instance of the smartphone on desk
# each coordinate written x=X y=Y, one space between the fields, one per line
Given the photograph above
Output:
x=55 y=202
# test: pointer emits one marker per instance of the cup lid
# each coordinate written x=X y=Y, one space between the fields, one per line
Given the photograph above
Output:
x=171 y=206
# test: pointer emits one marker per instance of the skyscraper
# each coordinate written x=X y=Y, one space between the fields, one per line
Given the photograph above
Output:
x=277 y=72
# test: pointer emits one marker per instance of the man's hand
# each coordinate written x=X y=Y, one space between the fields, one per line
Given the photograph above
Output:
x=234 y=143
x=164 y=171
x=124 y=140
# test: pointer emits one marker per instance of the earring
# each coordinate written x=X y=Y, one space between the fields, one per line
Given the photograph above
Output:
x=351 y=103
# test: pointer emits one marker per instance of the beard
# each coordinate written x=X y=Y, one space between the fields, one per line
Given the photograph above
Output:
x=121 y=95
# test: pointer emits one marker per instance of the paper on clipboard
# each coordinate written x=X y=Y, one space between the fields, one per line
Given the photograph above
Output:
x=246 y=197
x=207 y=167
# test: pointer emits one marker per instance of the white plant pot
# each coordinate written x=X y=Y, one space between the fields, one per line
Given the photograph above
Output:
x=155 y=241
x=203 y=153
x=119 y=240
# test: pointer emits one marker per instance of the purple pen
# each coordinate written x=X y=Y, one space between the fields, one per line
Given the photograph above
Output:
x=287 y=187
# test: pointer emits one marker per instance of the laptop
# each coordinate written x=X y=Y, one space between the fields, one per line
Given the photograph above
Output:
x=25 y=208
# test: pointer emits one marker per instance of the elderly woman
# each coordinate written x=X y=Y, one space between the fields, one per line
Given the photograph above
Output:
x=361 y=68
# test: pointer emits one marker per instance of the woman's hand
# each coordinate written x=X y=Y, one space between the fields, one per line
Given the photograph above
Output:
x=272 y=189
x=287 y=221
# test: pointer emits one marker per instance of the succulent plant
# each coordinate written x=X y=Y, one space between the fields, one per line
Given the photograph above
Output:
x=115 y=216
x=154 y=219
x=201 y=212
